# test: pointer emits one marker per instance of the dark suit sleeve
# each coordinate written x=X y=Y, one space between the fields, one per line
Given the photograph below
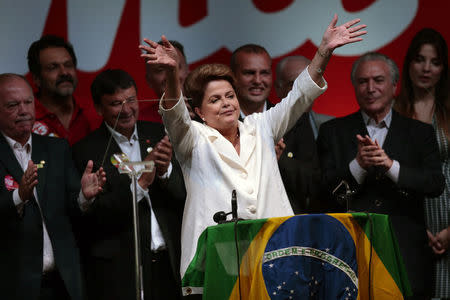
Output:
x=111 y=208
x=425 y=176
x=73 y=184
x=8 y=211
x=333 y=163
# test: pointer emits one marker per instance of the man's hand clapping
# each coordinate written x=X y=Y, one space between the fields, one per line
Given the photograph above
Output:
x=28 y=182
x=370 y=154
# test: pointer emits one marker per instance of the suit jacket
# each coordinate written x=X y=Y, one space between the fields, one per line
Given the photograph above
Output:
x=22 y=250
x=107 y=230
x=299 y=165
x=212 y=168
x=413 y=144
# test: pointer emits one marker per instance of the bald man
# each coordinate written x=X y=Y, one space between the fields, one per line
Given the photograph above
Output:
x=299 y=163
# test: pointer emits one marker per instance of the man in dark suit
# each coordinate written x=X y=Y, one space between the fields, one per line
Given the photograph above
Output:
x=299 y=162
x=39 y=195
x=389 y=162
x=107 y=240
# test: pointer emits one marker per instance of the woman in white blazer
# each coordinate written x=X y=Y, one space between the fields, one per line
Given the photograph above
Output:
x=223 y=154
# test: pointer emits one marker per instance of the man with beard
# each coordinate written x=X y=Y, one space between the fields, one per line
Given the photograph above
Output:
x=52 y=63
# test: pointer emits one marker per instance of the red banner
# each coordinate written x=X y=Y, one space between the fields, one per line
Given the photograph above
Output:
x=106 y=35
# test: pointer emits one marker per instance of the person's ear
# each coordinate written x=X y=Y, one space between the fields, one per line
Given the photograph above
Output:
x=199 y=113
x=99 y=109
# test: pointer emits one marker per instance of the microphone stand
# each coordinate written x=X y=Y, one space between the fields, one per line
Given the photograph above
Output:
x=127 y=167
x=347 y=196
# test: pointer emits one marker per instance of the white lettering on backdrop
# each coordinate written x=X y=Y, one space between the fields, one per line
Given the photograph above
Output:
x=92 y=26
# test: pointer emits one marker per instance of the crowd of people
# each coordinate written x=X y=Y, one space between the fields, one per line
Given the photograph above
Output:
x=66 y=211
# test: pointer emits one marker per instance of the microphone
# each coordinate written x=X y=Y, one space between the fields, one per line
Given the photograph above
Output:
x=220 y=217
x=234 y=205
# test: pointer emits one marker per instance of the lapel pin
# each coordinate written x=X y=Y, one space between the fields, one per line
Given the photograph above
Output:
x=41 y=164
x=290 y=155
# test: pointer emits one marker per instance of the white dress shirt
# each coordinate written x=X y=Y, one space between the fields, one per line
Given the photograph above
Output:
x=23 y=155
x=212 y=168
x=264 y=109
x=132 y=149
x=376 y=132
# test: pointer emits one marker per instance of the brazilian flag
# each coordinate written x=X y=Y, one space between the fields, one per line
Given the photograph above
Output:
x=326 y=256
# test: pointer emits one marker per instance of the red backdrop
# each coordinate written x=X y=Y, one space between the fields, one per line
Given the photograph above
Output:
x=338 y=100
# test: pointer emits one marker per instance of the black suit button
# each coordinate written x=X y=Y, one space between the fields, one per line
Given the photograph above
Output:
x=378 y=203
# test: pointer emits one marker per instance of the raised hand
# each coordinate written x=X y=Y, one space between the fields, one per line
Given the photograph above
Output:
x=164 y=55
x=92 y=183
x=28 y=182
x=336 y=36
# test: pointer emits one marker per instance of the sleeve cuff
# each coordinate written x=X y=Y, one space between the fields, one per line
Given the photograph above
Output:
x=140 y=192
x=84 y=203
x=357 y=172
x=161 y=101
x=18 y=202
x=394 y=171
x=167 y=174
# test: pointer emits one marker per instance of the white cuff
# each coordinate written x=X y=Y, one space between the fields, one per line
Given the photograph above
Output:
x=168 y=172
x=394 y=171
x=358 y=173
x=83 y=202
x=140 y=192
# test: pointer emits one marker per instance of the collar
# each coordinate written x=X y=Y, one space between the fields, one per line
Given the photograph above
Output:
x=16 y=145
x=213 y=134
x=369 y=121
x=120 y=137
x=264 y=109
x=42 y=111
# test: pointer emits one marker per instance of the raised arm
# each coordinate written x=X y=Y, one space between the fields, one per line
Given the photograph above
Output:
x=166 y=56
x=333 y=38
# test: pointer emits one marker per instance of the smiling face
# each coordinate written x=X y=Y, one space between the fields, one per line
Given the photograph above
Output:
x=111 y=105
x=220 y=107
x=253 y=77
x=58 y=77
x=16 y=109
x=426 y=68
x=374 y=88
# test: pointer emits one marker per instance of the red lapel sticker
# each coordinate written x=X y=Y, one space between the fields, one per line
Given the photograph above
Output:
x=40 y=128
x=10 y=183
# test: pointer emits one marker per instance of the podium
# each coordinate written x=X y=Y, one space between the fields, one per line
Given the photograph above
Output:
x=323 y=256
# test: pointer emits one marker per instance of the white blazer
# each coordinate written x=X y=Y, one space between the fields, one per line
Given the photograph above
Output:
x=212 y=168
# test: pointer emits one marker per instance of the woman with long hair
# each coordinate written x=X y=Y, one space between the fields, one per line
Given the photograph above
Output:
x=424 y=96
